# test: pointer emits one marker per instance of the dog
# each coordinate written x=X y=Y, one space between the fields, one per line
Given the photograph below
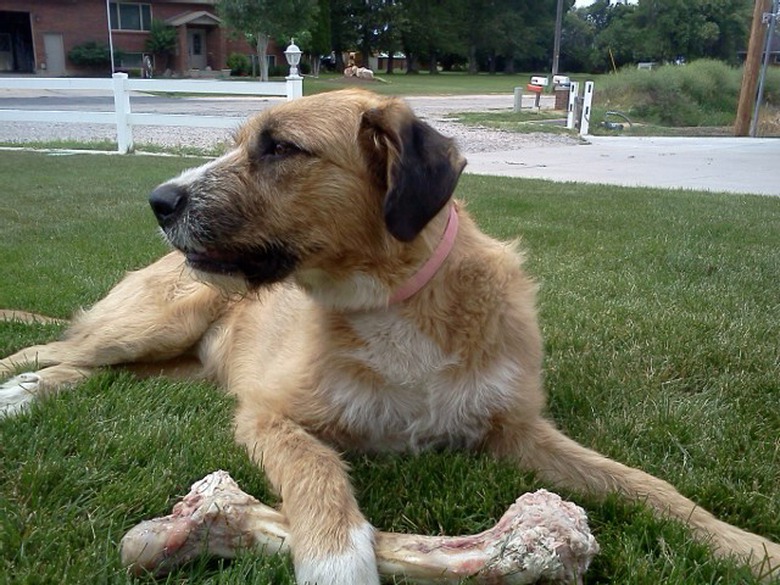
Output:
x=323 y=273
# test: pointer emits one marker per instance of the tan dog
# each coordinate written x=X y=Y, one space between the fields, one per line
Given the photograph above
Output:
x=326 y=208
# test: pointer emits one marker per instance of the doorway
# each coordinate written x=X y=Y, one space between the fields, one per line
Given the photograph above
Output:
x=196 y=48
x=55 y=54
x=16 y=44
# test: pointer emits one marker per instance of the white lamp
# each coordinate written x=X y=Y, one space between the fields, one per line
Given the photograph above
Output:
x=293 y=56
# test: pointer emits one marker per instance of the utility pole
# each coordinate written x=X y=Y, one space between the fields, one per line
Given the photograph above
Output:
x=771 y=18
x=557 y=45
x=110 y=37
x=747 y=94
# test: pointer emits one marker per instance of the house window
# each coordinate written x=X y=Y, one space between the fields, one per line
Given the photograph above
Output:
x=130 y=16
x=132 y=60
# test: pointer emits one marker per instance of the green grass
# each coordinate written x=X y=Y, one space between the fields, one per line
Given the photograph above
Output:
x=422 y=83
x=111 y=146
x=659 y=310
x=399 y=83
x=547 y=121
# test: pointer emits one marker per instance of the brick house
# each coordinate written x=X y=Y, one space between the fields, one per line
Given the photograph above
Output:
x=36 y=35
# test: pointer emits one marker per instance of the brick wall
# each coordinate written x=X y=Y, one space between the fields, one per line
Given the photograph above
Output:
x=79 y=21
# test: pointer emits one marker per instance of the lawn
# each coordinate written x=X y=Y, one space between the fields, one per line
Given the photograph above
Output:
x=422 y=83
x=659 y=310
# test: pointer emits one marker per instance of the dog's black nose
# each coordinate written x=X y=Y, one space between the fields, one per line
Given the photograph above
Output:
x=167 y=202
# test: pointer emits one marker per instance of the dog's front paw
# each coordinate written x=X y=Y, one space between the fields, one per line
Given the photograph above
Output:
x=355 y=564
x=17 y=393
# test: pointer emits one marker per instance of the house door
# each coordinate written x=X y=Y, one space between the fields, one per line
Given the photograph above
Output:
x=196 y=48
x=55 y=54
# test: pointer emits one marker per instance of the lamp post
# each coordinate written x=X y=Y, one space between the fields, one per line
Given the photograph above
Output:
x=294 y=81
x=293 y=56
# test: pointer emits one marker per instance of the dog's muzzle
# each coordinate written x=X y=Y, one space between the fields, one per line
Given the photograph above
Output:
x=261 y=263
x=168 y=201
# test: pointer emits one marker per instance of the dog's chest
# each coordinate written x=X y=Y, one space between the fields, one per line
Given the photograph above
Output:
x=397 y=350
x=424 y=397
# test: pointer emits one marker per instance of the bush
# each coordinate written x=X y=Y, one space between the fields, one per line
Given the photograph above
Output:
x=91 y=54
x=238 y=64
x=772 y=87
x=283 y=69
x=161 y=40
x=701 y=93
x=279 y=70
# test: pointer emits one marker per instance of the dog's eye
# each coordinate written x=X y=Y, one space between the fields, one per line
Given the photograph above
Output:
x=279 y=149
x=270 y=148
x=283 y=148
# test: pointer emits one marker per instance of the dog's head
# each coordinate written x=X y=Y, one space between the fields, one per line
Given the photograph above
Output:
x=335 y=189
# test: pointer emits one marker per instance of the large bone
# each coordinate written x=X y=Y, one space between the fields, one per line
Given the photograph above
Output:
x=539 y=537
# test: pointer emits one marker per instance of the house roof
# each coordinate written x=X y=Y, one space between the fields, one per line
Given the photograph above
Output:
x=199 y=17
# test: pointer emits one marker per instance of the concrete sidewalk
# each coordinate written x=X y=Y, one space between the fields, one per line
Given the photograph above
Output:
x=737 y=165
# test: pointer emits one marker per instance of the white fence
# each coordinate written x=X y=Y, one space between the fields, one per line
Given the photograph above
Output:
x=124 y=118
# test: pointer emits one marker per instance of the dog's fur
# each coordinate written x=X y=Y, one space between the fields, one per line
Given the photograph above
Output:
x=288 y=249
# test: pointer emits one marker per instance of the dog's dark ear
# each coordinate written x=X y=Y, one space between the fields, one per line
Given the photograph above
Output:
x=418 y=167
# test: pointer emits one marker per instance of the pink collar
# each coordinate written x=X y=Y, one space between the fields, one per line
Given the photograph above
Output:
x=420 y=278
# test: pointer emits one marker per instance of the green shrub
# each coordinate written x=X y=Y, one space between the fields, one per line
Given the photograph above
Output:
x=238 y=64
x=772 y=87
x=279 y=70
x=701 y=93
x=283 y=69
x=90 y=54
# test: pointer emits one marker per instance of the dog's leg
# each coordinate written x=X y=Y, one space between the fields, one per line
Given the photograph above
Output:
x=559 y=459
x=155 y=314
x=331 y=541
x=17 y=393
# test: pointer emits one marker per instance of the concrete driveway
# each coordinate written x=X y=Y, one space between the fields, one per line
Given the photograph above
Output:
x=738 y=165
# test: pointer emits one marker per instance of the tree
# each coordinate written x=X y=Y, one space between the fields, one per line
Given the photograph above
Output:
x=161 y=41
x=585 y=42
x=477 y=17
x=343 y=34
x=429 y=29
x=390 y=33
x=320 y=36
x=263 y=20
x=503 y=32
x=663 y=30
x=578 y=40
